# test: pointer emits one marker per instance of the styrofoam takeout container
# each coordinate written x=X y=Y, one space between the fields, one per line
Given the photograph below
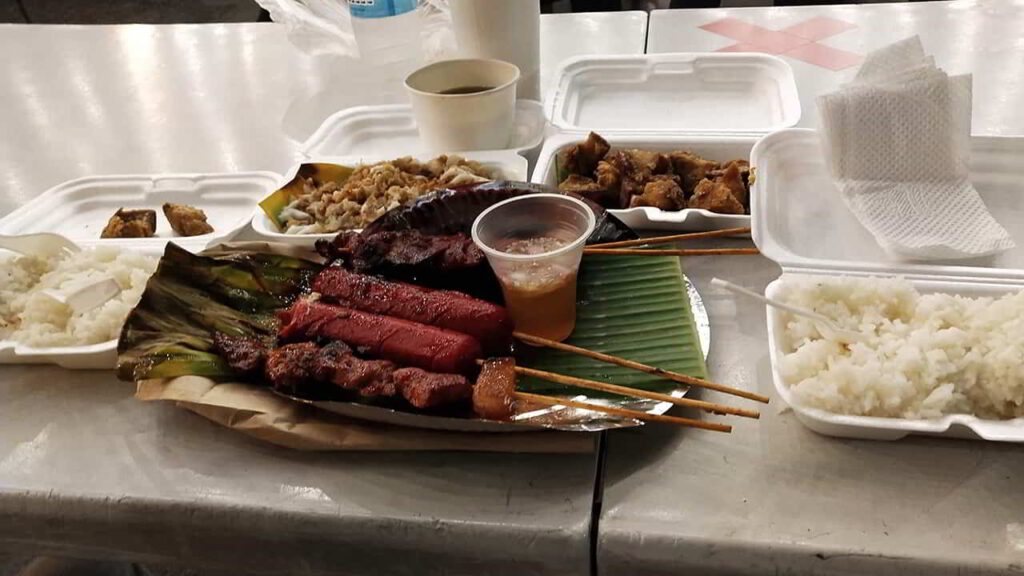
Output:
x=802 y=223
x=713 y=104
x=381 y=130
x=509 y=164
x=79 y=210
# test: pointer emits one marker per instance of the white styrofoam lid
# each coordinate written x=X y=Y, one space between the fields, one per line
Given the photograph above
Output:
x=387 y=129
x=801 y=222
x=80 y=209
x=730 y=93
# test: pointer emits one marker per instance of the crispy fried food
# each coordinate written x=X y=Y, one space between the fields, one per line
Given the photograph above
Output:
x=716 y=196
x=663 y=193
x=609 y=178
x=582 y=158
x=589 y=189
x=186 y=220
x=691 y=169
x=130 y=224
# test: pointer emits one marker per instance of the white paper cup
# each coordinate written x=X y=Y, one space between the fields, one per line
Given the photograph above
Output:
x=476 y=121
x=506 y=30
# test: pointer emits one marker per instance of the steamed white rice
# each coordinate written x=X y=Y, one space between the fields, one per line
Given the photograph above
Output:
x=925 y=355
x=32 y=319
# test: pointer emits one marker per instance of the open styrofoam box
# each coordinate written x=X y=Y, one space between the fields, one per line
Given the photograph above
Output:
x=391 y=130
x=79 y=210
x=508 y=163
x=801 y=222
x=714 y=104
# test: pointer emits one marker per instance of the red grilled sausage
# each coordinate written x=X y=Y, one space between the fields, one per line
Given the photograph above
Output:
x=488 y=323
x=401 y=341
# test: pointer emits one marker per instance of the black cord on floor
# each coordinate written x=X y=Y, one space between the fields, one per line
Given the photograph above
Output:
x=24 y=13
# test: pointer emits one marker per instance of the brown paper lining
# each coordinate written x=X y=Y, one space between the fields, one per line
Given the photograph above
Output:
x=256 y=411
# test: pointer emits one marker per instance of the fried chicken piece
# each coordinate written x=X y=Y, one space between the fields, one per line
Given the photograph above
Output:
x=582 y=158
x=716 y=196
x=691 y=169
x=648 y=161
x=186 y=220
x=631 y=177
x=425 y=389
x=130 y=224
x=734 y=177
x=589 y=189
x=609 y=178
x=663 y=193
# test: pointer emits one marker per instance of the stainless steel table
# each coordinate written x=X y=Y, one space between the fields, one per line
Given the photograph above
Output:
x=773 y=497
x=87 y=471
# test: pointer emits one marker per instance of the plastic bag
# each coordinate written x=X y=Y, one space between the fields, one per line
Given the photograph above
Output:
x=320 y=27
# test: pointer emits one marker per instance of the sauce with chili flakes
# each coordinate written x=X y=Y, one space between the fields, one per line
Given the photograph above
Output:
x=540 y=295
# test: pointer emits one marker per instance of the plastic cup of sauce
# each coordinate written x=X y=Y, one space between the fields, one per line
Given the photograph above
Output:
x=534 y=244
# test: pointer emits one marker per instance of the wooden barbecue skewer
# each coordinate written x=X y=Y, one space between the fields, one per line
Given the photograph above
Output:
x=549 y=401
x=696 y=252
x=673 y=238
x=674 y=376
x=637 y=392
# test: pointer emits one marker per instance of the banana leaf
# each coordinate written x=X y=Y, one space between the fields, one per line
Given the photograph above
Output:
x=631 y=307
x=321 y=173
x=189 y=297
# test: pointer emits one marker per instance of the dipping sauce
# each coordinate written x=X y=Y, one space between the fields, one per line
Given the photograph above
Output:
x=540 y=296
x=467 y=90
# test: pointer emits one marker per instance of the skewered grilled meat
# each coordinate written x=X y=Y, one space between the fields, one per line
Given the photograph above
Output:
x=424 y=389
x=487 y=322
x=301 y=369
x=291 y=368
x=407 y=248
x=493 y=392
x=244 y=355
x=401 y=341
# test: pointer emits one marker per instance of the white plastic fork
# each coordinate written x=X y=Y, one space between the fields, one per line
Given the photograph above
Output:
x=829 y=329
x=43 y=244
x=80 y=298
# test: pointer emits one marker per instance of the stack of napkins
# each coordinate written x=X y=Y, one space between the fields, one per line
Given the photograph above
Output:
x=897 y=140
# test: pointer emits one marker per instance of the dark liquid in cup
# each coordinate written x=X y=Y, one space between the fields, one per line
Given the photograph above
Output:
x=467 y=90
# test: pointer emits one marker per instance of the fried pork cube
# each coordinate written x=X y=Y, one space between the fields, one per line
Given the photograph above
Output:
x=691 y=169
x=186 y=220
x=130 y=224
x=292 y=368
x=609 y=178
x=425 y=389
x=649 y=161
x=244 y=355
x=590 y=190
x=715 y=196
x=663 y=193
x=734 y=177
x=582 y=158
x=494 y=391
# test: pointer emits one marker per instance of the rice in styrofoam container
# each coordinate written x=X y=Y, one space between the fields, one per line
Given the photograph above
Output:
x=33 y=319
x=924 y=355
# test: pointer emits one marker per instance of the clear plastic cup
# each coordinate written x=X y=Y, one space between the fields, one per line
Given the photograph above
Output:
x=534 y=244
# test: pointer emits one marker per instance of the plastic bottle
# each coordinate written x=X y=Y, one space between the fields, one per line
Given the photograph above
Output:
x=389 y=34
